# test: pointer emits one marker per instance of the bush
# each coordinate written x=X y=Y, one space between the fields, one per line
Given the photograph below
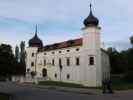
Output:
x=129 y=76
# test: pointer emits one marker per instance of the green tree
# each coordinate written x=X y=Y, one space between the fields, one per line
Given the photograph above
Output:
x=131 y=41
x=17 y=53
x=7 y=60
x=117 y=61
x=22 y=57
x=22 y=52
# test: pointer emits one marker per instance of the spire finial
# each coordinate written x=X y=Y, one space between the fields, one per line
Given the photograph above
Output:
x=36 y=30
x=90 y=8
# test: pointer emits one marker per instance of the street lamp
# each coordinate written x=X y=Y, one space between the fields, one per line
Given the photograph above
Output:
x=60 y=67
x=35 y=63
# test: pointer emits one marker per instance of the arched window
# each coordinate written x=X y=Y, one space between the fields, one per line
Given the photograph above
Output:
x=32 y=54
x=32 y=64
x=53 y=62
x=55 y=75
x=44 y=62
x=68 y=76
x=60 y=63
x=68 y=61
x=77 y=61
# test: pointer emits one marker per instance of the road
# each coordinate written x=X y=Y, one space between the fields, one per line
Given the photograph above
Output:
x=22 y=92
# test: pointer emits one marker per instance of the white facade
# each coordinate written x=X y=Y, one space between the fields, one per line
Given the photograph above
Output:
x=85 y=63
x=84 y=73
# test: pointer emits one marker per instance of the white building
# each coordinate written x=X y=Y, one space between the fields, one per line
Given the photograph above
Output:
x=80 y=61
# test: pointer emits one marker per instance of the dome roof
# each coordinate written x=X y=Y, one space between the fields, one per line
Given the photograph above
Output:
x=91 y=20
x=35 y=41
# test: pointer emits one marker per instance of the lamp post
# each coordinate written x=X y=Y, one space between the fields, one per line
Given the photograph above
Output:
x=60 y=66
x=35 y=63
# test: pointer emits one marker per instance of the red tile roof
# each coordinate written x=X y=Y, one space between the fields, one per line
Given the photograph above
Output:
x=60 y=45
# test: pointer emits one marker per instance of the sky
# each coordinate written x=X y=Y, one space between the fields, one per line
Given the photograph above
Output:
x=60 y=20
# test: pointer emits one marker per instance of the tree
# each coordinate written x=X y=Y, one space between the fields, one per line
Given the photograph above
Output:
x=117 y=61
x=7 y=60
x=131 y=41
x=22 y=57
x=22 y=52
x=17 y=53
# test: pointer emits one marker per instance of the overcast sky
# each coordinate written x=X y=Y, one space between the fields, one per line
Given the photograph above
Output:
x=60 y=20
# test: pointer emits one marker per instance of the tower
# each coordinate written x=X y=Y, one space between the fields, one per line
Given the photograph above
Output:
x=34 y=44
x=91 y=51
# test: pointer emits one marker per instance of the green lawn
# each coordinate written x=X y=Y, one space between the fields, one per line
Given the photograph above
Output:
x=121 y=85
x=62 y=84
x=4 y=96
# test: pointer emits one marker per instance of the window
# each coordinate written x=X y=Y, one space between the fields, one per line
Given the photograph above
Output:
x=68 y=76
x=44 y=62
x=32 y=64
x=68 y=61
x=68 y=50
x=53 y=52
x=28 y=70
x=32 y=54
x=77 y=49
x=91 y=60
x=59 y=51
x=55 y=75
x=77 y=61
x=53 y=62
x=45 y=53
x=60 y=61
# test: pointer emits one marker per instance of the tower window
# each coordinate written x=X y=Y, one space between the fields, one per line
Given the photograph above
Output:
x=68 y=61
x=32 y=64
x=77 y=61
x=91 y=60
x=53 y=62
x=32 y=54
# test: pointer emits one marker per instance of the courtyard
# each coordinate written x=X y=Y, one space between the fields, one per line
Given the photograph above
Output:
x=32 y=92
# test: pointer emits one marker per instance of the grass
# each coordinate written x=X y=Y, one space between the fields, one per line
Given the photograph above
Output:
x=62 y=84
x=4 y=96
x=121 y=85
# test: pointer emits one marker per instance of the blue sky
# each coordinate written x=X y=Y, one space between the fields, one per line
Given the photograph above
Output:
x=60 y=20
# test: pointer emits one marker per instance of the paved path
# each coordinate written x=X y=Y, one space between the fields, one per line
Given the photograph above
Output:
x=25 y=92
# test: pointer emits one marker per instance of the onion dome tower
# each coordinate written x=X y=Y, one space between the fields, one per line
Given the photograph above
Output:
x=35 y=41
x=91 y=20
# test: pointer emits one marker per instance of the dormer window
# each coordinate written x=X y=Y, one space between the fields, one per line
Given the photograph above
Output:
x=77 y=49
x=68 y=50
x=53 y=52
